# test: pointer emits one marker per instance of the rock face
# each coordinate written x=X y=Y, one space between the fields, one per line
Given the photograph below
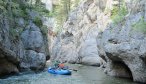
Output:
x=89 y=36
x=77 y=43
x=35 y=54
x=22 y=47
x=123 y=47
x=7 y=67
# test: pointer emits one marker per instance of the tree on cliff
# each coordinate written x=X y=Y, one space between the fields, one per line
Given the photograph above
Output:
x=61 y=11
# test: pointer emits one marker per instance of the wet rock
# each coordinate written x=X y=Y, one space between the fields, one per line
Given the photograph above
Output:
x=7 y=68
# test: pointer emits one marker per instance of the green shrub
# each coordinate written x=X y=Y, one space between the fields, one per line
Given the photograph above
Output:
x=44 y=30
x=140 y=26
x=18 y=13
x=3 y=9
x=118 y=14
x=51 y=14
x=41 y=9
x=15 y=33
x=114 y=12
x=19 y=10
x=38 y=21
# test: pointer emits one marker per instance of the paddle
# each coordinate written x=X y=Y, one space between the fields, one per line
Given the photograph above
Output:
x=73 y=70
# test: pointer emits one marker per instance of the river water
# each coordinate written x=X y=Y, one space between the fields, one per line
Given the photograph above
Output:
x=84 y=75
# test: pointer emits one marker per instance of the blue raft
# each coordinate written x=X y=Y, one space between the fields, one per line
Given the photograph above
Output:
x=59 y=71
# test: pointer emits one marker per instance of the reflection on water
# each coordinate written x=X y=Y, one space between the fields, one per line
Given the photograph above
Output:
x=84 y=75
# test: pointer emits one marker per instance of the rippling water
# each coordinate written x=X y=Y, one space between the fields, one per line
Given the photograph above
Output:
x=84 y=75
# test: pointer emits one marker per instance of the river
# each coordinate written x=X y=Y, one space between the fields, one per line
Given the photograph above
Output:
x=84 y=75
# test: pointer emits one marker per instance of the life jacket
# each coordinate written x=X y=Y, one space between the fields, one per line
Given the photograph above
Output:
x=61 y=65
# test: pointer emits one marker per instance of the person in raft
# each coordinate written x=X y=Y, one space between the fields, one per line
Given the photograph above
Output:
x=59 y=65
x=56 y=64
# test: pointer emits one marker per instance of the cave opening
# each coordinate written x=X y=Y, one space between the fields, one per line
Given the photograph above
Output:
x=124 y=70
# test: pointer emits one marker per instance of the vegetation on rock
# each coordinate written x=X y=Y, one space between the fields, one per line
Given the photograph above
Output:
x=38 y=21
x=15 y=9
x=118 y=13
x=140 y=25
x=61 y=12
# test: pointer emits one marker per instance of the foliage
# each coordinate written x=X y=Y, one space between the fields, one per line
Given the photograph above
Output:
x=58 y=29
x=76 y=2
x=15 y=9
x=118 y=13
x=61 y=12
x=40 y=8
x=140 y=25
x=19 y=13
x=114 y=12
x=44 y=30
x=3 y=9
x=12 y=9
x=51 y=14
x=15 y=33
x=38 y=21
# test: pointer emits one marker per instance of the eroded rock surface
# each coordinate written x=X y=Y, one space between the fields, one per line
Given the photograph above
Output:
x=123 y=47
x=22 y=42
x=89 y=36
x=77 y=43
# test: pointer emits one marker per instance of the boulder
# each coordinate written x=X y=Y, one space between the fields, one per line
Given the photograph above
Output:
x=33 y=60
x=92 y=61
x=32 y=39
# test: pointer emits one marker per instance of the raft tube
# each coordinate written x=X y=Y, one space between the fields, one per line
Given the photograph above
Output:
x=59 y=71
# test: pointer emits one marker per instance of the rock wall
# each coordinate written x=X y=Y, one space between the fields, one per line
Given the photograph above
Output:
x=91 y=37
x=23 y=46
x=123 y=46
x=77 y=42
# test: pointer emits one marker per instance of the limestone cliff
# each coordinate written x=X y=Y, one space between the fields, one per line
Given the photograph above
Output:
x=113 y=30
x=77 y=42
x=122 y=44
x=23 y=42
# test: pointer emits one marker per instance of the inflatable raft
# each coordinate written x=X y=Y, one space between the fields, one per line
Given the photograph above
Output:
x=59 y=71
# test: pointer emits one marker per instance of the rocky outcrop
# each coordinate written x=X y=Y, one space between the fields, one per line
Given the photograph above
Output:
x=8 y=66
x=77 y=42
x=123 y=46
x=23 y=44
x=35 y=54
x=91 y=33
